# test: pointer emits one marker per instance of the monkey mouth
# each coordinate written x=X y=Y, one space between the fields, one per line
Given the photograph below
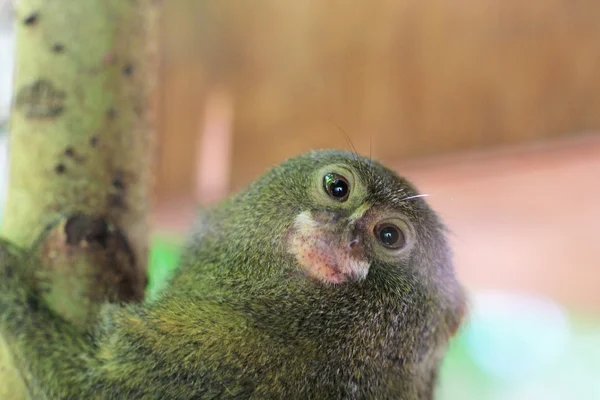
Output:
x=324 y=254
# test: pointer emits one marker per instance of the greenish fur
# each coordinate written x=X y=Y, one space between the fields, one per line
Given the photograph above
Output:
x=238 y=319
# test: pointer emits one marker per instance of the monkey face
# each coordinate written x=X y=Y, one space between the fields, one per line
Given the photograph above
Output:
x=355 y=226
x=356 y=215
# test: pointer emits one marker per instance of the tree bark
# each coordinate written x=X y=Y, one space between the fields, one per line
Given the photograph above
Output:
x=82 y=142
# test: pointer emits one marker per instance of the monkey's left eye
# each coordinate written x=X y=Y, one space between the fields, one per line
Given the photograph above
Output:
x=336 y=186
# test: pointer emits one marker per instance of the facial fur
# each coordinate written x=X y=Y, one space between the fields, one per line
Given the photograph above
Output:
x=325 y=256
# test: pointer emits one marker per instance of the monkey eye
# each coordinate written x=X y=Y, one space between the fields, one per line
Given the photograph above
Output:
x=390 y=236
x=336 y=186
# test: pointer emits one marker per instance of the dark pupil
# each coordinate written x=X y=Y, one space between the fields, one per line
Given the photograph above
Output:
x=336 y=186
x=389 y=235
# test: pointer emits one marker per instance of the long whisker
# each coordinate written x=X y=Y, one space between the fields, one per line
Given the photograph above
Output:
x=415 y=196
x=345 y=136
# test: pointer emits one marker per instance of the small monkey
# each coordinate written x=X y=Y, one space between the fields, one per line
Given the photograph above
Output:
x=329 y=277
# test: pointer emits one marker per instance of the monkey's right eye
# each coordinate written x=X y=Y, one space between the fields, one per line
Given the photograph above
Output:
x=336 y=186
x=390 y=236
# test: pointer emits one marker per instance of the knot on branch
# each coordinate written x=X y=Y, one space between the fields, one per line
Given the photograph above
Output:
x=82 y=262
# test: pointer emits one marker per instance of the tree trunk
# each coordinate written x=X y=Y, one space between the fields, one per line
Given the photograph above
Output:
x=81 y=141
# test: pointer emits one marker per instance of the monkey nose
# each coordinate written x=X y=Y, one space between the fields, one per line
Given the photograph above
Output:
x=352 y=237
x=354 y=246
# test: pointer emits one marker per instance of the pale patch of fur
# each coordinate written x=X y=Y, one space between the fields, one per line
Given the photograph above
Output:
x=307 y=230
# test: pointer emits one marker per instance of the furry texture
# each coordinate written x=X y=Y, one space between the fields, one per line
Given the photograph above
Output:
x=241 y=318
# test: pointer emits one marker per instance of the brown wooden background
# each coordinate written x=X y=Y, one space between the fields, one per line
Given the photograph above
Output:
x=404 y=78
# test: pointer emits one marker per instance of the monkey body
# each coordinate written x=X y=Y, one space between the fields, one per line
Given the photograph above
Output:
x=281 y=293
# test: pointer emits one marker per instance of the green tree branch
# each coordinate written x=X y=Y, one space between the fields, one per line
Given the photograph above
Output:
x=82 y=139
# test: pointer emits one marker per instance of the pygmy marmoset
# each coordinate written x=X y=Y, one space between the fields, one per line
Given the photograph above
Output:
x=328 y=278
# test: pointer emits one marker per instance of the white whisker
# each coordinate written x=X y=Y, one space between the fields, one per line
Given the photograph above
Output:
x=415 y=196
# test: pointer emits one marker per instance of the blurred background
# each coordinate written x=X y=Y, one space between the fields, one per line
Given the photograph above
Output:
x=490 y=107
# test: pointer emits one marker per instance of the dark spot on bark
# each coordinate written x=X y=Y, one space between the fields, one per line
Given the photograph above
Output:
x=83 y=228
x=128 y=69
x=60 y=168
x=118 y=183
x=58 y=47
x=69 y=152
x=94 y=141
x=32 y=18
x=32 y=302
x=111 y=113
x=116 y=196
x=40 y=99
